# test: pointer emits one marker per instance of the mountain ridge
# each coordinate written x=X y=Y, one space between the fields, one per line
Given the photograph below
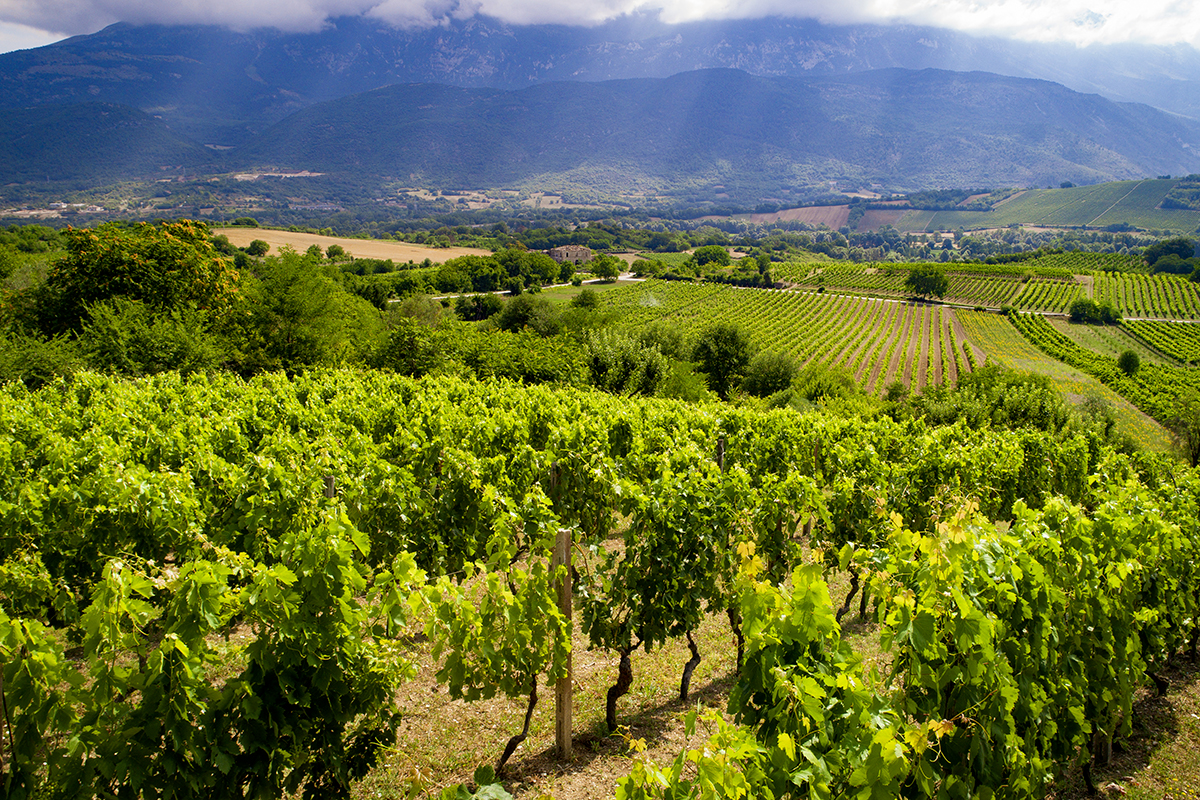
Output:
x=221 y=87
x=754 y=136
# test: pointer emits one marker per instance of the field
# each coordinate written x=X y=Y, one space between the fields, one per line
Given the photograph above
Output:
x=833 y=217
x=879 y=341
x=398 y=252
x=1042 y=285
x=1000 y=341
x=1179 y=340
x=1132 y=202
x=1109 y=340
x=1150 y=296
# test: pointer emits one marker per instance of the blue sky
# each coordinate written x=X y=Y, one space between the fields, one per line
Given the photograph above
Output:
x=33 y=23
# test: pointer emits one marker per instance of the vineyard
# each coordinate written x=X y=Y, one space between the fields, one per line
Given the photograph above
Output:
x=1154 y=388
x=1178 y=340
x=1002 y=343
x=1045 y=284
x=213 y=587
x=879 y=341
x=1122 y=202
x=1155 y=296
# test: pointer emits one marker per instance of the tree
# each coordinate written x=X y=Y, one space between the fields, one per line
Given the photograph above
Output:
x=335 y=252
x=167 y=266
x=711 y=254
x=258 y=247
x=1128 y=362
x=926 y=281
x=1180 y=246
x=605 y=266
x=722 y=353
x=768 y=373
x=1185 y=426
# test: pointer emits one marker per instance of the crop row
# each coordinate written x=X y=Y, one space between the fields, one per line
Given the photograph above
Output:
x=1157 y=296
x=879 y=341
x=1179 y=340
x=1048 y=296
x=331 y=518
x=1156 y=389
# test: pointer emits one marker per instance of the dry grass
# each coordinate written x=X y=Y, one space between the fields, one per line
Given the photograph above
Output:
x=359 y=248
x=442 y=741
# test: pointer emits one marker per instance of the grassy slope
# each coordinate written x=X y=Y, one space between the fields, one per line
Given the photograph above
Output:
x=1133 y=202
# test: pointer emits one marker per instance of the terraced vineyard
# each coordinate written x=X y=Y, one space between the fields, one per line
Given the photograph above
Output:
x=880 y=341
x=1110 y=340
x=1001 y=342
x=1155 y=296
x=1179 y=340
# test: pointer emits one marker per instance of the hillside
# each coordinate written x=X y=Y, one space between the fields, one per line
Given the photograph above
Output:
x=1135 y=203
x=220 y=87
x=726 y=134
x=91 y=144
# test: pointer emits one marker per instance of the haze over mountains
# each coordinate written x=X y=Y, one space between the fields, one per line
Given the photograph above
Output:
x=793 y=104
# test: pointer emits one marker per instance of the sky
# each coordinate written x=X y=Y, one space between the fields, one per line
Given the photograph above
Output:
x=33 y=23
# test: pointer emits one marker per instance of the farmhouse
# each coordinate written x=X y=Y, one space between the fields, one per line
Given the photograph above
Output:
x=572 y=253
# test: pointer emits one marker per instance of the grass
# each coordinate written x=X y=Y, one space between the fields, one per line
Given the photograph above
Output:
x=1000 y=341
x=1108 y=340
x=1133 y=202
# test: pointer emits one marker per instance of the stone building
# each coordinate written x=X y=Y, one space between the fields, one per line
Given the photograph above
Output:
x=571 y=253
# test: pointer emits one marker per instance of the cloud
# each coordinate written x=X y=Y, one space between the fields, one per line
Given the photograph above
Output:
x=1079 y=21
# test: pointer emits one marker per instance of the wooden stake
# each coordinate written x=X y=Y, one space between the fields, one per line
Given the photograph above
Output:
x=563 y=694
x=330 y=487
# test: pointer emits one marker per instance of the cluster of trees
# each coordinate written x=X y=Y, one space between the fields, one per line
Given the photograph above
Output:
x=146 y=298
x=1177 y=256
x=1089 y=311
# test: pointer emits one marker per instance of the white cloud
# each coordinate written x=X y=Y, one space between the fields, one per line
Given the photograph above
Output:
x=1079 y=21
x=14 y=36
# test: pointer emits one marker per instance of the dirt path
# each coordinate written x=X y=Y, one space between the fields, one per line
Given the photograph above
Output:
x=919 y=380
x=939 y=363
x=1088 y=282
x=895 y=368
x=874 y=358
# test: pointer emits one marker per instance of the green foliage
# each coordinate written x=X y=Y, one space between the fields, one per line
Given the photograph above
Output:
x=296 y=315
x=1128 y=362
x=258 y=248
x=127 y=337
x=1181 y=247
x=605 y=266
x=712 y=254
x=525 y=311
x=1184 y=425
x=769 y=372
x=478 y=307
x=994 y=395
x=588 y=298
x=926 y=281
x=165 y=266
x=617 y=363
x=36 y=360
x=1089 y=311
x=722 y=352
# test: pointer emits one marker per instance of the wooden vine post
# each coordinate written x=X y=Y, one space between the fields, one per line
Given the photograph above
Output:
x=563 y=694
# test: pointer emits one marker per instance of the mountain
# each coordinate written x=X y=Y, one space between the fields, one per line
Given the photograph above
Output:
x=724 y=133
x=220 y=87
x=91 y=144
